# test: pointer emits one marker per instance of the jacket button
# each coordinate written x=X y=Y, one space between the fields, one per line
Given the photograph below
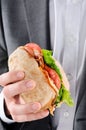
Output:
x=66 y=114
x=69 y=76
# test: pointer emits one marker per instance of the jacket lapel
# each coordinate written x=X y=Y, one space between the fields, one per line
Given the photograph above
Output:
x=82 y=63
x=82 y=87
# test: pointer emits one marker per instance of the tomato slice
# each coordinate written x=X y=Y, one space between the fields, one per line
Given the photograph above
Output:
x=54 y=76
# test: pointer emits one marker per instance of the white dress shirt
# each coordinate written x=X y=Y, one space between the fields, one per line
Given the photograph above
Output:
x=69 y=49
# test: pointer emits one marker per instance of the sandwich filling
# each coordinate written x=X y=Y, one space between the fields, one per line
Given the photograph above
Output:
x=47 y=63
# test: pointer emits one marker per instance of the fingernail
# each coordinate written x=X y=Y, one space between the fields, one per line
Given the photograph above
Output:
x=30 y=84
x=36 y=106
x=20 y=74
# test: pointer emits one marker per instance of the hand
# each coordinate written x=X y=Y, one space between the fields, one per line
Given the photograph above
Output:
x=13 y=84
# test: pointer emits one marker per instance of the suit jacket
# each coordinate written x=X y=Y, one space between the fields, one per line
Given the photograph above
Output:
x=23 y=21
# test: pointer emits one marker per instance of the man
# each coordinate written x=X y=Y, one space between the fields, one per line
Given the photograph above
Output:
x=31 y=21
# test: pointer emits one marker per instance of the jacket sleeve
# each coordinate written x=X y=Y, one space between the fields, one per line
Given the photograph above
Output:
x=3 y=50
x=3 y=58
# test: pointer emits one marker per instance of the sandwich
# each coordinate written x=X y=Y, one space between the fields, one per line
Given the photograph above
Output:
x=52 y=86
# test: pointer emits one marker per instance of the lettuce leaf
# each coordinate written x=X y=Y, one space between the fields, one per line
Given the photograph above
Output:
x=64 y=96
x=48 y=59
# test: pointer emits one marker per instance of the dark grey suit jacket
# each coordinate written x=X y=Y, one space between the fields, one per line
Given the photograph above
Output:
x=23 y=21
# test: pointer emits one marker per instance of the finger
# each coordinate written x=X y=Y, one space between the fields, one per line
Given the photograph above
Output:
x=14 y=89
x=31 y=117
x=10 y=77
x=22 y=109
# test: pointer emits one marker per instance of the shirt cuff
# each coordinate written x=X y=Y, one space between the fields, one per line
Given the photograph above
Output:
x=2 y=112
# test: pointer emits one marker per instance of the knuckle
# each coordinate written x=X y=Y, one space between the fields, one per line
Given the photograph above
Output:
x=2 y=80
x=5 y=92
x=12 y=109
x=26 y=110
x=20 y=86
